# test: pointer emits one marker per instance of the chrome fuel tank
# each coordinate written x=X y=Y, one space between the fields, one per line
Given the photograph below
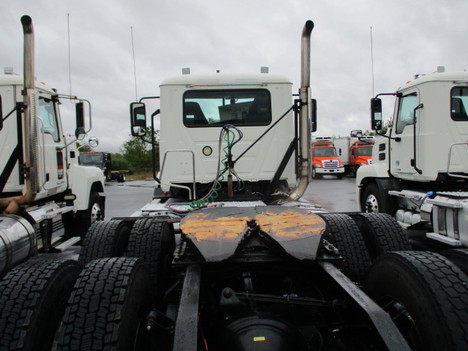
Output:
x=17 y=241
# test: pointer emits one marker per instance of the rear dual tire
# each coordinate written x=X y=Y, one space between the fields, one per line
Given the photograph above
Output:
x=426 y=296
x=381 y=233
x=107 y=307
x=154 y=242
x=107 y=238
x=344 y=234
x=32 y=301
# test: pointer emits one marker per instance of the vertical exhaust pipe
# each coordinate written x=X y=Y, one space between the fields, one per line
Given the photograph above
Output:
x=304 y=116
x=28 y=60
x=30 y=124
x=12 y=204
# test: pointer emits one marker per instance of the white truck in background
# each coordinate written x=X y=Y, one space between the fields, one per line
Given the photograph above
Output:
x=41 y=184
x=420 y=167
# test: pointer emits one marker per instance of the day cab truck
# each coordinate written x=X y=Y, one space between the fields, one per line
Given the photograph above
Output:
x=102 y=160
x=420 y=168
x=354 y=151
x=226 y=257
x=325 y=160
x=42 y=187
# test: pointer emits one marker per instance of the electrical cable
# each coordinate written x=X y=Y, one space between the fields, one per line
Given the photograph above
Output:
x=226 y=134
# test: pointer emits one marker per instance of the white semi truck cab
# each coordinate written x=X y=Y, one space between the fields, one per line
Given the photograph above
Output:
x=420 y=167
x=41 y=183
x=227 y=137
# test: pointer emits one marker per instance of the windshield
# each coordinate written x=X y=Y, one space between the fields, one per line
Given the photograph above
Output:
x=204 y=108
x=91 y=159
x=364 y=151
x=324 y=151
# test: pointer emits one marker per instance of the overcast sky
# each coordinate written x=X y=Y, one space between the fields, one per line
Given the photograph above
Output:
x=238 y=36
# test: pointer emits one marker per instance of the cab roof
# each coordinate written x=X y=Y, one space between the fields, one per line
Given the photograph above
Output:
x=217 y=79
x=13 y=79
x=458 y=77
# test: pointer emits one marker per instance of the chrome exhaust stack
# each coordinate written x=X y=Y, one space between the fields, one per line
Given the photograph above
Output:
x=11 y=205
x=304 y=116
x=29 y=95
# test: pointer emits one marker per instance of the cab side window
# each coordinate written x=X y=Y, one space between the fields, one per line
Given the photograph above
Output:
x=48 y=118
x=406 y=107
x=459 y=104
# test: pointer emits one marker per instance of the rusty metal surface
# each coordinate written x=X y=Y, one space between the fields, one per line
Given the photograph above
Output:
x=217 y=232
x=289 y=224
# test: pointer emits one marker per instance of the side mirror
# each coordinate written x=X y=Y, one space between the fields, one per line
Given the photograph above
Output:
x=356 y=133
x=314 y=115
x=138 y=119
x=376 y=114
x=80 y=131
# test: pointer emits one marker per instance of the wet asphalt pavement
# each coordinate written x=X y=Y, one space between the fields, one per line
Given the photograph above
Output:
x=335 y=195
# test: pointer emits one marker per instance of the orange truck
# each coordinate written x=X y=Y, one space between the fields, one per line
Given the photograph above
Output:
x=354 y=151
x=325 y=159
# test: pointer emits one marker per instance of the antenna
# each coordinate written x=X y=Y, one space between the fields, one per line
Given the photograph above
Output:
x=134 y=65
x=372 y=61
x=69 y=55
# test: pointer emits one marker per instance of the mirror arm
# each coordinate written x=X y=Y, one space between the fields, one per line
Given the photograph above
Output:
x=387 y=136
x=397 y=139
x=148 y=98
x=392 y=94
x=72 y=97
x=68 y=144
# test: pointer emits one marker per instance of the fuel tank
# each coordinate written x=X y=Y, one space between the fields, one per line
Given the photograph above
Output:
x=17 y=241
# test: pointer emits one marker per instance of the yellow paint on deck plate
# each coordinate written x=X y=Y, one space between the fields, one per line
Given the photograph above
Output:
x=259 y=338
x=285 y=224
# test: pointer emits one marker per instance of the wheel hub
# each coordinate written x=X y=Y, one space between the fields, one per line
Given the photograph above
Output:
x=371 y=204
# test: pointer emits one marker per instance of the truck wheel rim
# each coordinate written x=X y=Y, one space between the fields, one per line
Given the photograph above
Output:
x=372 y=204
x=95 y=213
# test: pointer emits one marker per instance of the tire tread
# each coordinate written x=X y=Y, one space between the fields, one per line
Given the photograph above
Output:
x=381 y=232
x=25 y=294
x=94 y=315
x=345 y=235
x=445 y=291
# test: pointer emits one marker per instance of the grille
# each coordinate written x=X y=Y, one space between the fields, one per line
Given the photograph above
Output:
x=330 y=164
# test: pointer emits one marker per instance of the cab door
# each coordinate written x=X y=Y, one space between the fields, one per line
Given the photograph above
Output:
x=51 y=152
x=402 y=154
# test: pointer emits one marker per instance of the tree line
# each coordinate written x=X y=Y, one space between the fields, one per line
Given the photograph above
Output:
x=136 y=154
